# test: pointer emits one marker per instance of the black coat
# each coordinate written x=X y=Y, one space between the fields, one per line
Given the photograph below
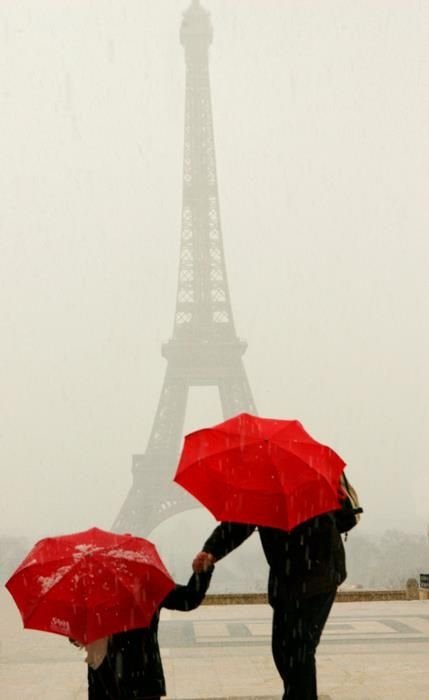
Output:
x=132 y=669
x=308 y=560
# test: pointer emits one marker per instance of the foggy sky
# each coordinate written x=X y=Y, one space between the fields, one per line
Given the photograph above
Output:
x=321 y=127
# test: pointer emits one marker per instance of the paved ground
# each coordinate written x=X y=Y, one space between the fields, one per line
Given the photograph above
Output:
x=369 y=651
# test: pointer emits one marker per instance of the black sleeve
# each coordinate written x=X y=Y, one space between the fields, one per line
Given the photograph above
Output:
x=226 y=537
x=189 y=596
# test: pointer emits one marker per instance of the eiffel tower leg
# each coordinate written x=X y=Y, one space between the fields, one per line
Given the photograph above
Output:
x=154 y=496
x=235 y=393
x=169 y=420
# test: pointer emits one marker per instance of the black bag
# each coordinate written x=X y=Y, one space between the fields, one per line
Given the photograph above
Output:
x=348 y=516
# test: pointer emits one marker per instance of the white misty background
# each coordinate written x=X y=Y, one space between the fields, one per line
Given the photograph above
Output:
x=320 y=117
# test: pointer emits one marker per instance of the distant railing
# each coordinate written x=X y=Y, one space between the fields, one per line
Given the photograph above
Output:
x=412 y=591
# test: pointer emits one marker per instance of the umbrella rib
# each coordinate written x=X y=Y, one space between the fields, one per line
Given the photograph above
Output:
x=32 y=563
x=227 y=482
x=221 y=451
x=118 y=575
x=60 y=559
x=238 y=432
x=306 y=438
x=303 y=462
x=312 y=480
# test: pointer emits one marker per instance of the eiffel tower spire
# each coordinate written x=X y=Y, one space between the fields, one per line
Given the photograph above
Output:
x=203 y=307
x=204 y=349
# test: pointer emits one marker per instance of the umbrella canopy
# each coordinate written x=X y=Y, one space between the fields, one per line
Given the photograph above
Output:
x=260 y=471
x=89 y=584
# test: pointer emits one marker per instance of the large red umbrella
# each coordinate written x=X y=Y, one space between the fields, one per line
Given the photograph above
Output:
x=89 y=584
x=260 y=471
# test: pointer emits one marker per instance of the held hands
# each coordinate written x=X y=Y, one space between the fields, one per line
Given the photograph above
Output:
x=203 y=562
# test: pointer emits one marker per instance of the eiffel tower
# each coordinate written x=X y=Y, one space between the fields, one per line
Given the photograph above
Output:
x=204 y=349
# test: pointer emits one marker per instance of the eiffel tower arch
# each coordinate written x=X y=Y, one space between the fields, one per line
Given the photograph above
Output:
x=204 y=349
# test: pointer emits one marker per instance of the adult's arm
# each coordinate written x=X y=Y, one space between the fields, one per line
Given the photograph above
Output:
x=226 y=537
x=191 y=595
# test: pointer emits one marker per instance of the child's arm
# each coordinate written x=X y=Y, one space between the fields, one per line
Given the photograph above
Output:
x=191 y=595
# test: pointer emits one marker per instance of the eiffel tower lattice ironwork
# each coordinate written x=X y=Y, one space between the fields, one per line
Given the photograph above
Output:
x=204 y=349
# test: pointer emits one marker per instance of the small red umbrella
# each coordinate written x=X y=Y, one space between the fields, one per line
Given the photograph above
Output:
x=90 y=584
x=260 y=471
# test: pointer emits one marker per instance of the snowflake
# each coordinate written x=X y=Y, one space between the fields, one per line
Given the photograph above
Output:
x=46 y=582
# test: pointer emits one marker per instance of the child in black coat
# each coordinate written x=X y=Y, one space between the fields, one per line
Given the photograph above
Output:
x=132 y=666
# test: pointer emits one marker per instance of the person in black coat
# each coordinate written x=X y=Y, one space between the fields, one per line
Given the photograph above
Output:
x=132 y=668
x=306 y=566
